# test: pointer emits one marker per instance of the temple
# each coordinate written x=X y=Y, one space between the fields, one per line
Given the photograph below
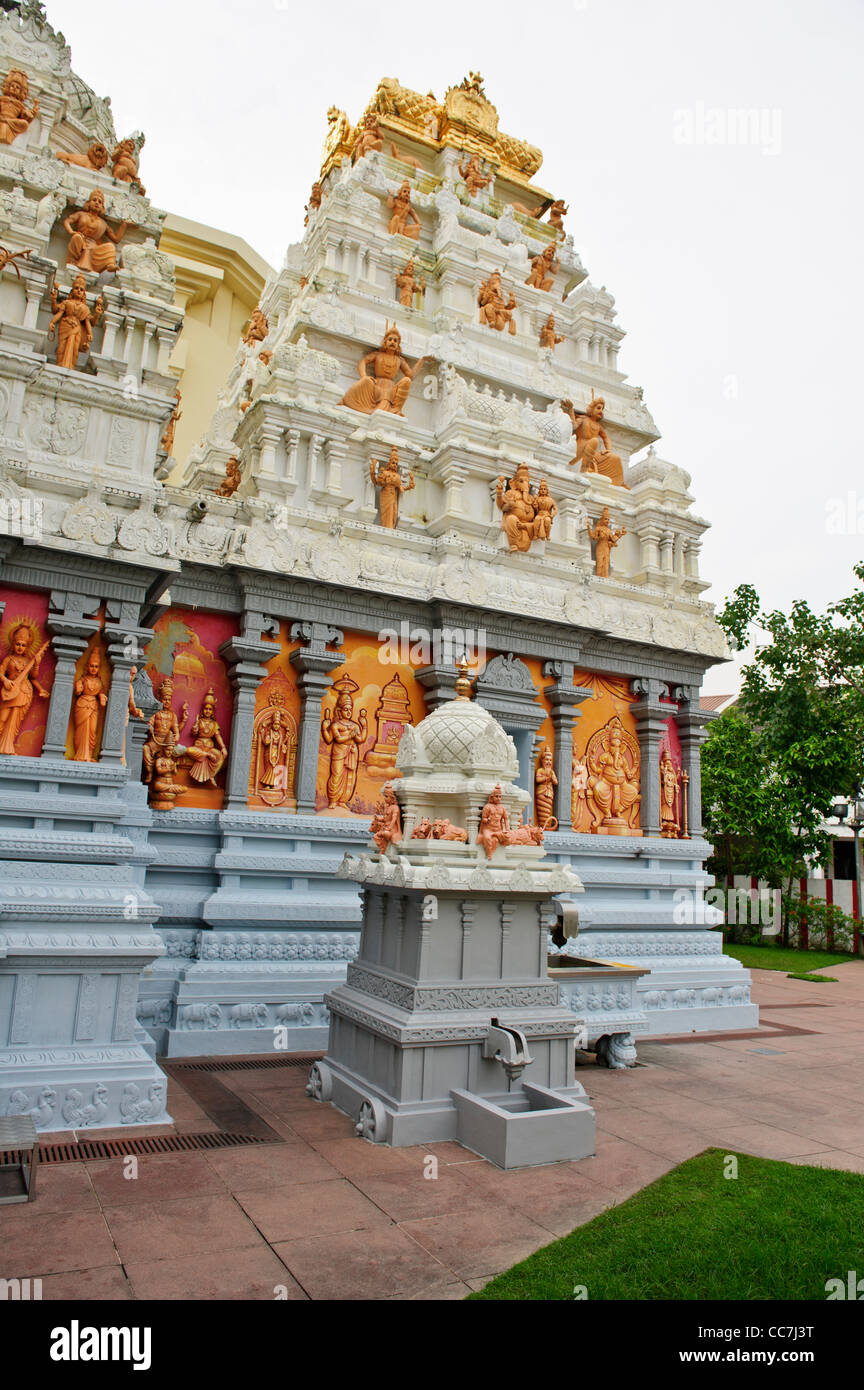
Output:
x=423 y=448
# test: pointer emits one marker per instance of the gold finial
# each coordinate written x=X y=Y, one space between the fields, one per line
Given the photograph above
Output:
x=464 y=683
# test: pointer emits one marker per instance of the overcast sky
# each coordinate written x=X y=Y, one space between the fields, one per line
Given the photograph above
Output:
x=736 y=266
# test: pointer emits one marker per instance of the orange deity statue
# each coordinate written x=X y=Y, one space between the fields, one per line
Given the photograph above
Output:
x=164 y=736
x=593 y=450
x=232 y=480
x=407 y=285
x=388 y=479
x=495 y=311
x=387 y=821
x=314 y=202
x=18 y=681
x=274 y=751
x=164 y=791
x=613 y=797
x=494 y=823
x=167 y=441
x=257 y=330
x=382 y=391
x=96 y=157
x=345 y=736
x=475 y=179
x=605 y=539
x=124 y=162
x=580 y=813
x=369 y=137
x=92 y=243
x=91 y=695
x=543 y=270
x=545 y=782
x=404 y=221
x=526 y=516
x=76 y=322
x=548 y=337
x=557 y=212
x=207 y=751
x=670 y=780
x=15 y=116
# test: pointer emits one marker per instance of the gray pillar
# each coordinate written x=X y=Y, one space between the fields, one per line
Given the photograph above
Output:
x=245 y=656
x=125 y=650
x=69 y=641
x=692 y=731
x=313 y=664
x=650 y=716
x=565 y=699
x=438 y=683
x=138 y=730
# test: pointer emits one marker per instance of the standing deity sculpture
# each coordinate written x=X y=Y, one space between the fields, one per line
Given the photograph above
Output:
x=404 y=221
x=388 y=479
x=605 y=539
x=495 y=311
x=314 y=202
x=274 y=751
x=124 y=162
x=593 y=450
x=345 y=736
x=548 y=337
x=76 y=322
x=407 y=285
x=670 y=780
x=545 y=511
x=18 y=681
x=475 y=179
x=613 y=759
x=92 y=243
x=164 y=735
x=167 y=441
x=95 y=158
x=543 y=270
x=382 y=391
x=15 y=116
x=369 y=138
x=207 y=751
x=580 y=813
x=91 y=695
x=386 y=825
x=545 y=782
x=232 y=480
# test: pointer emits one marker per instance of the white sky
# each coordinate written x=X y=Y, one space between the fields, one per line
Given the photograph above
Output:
x=735 y=267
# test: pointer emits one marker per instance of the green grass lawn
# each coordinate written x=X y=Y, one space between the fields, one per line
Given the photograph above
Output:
x=777 y=1231
x=784 y=958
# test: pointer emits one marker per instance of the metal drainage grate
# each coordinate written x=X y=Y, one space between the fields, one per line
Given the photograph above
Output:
x=147 y=1144
x=245 y=1063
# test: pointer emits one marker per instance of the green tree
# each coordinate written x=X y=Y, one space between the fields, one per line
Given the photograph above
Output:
x=795 y=741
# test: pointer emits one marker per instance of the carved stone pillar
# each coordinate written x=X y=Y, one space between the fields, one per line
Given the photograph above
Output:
x=439 y=684
x=246 y=655
x=313 y=664
x=650 y=716
x=692 y=730
x=70 y=633
x=565 y=699
x=125 y=650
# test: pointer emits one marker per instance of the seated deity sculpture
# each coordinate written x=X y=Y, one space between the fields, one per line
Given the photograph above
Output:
x=382 y=391
x=232 y=480
x=475 y=179
x=404 y=221
x=369 y=137
x=18 y=681
x=593 y=450
x=124 y=162
x=207 y=751
x=88 y=247
x=543 y=269
x=494 y=823
x=164 y=736
x=495 y=311
x=557 y=212
x=15 y=116
x=526 y=516
x=387 y=820
x=76 y=322
x=613 y=759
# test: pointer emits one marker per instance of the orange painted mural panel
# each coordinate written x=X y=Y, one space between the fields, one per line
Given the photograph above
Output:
x=26 y=609
x=611 y=697
x=185 y=646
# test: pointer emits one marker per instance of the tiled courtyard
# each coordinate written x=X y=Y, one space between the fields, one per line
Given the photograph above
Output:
x=320 y=1214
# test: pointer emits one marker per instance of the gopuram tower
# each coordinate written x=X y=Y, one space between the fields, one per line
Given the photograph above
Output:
x=425 y=447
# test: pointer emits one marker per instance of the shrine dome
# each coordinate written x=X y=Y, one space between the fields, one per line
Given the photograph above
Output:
x=458 y=736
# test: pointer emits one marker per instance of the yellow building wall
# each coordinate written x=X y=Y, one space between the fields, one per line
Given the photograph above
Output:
x=219 y=282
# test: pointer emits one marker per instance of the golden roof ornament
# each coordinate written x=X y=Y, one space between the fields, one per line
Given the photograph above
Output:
x=464 y=685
